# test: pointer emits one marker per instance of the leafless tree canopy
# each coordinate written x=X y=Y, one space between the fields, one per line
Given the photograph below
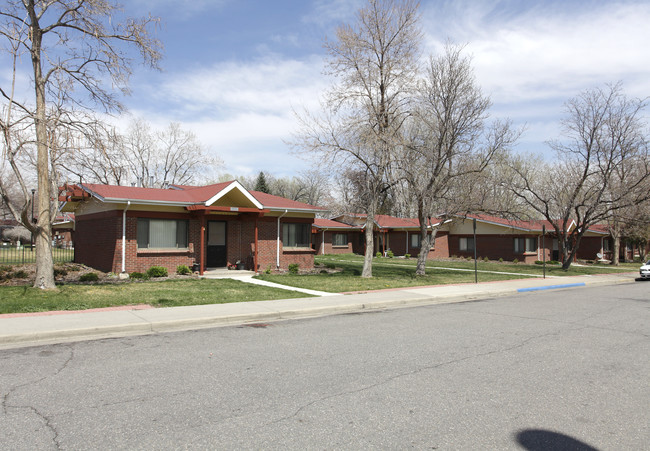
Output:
x=142 y=156
x=448 y=145
x=375 y=62
x=80 y=54
x=601 y=167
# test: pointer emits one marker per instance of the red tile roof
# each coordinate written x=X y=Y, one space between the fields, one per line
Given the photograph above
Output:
x=331 y=224
x=386 y=221
x=189 y=195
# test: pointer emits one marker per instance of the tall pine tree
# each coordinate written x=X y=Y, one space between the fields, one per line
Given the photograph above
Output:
x=260 y=184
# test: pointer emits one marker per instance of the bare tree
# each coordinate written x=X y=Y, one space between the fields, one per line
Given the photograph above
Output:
x=375 y=60
x=143 y=155
x=602 y=167
x=74 y=46
x=448 y=145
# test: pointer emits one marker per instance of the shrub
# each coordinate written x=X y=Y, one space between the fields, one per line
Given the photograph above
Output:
x=74 y=268
x=5 y=268
x=267 y=270
x=183 y=270
x=157 y=271
x=89 y=277
x=293 y=268
x=390 y=254
x=515 y=260
x=407 y=256
x=138 y=275
x=60 y=272
x=553 y=262
x=323 y=271
x=539 y=262
x=500 y=260
x=20 y=274
x=485 y=259
x=378 y=255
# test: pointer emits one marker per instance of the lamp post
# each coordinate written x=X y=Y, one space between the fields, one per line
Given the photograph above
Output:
x=33 y=219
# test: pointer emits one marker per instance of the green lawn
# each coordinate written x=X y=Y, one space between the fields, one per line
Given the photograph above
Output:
x=168 y=293
x=520 y=268
x=397 y=273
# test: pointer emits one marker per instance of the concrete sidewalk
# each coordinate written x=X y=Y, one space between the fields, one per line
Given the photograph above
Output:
x=65 y=327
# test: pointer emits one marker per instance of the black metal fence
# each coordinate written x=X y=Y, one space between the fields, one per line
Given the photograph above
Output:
x=19 y=255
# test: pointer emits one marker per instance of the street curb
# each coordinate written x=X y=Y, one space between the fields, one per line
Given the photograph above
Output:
x=552 y=287
x=142 y=326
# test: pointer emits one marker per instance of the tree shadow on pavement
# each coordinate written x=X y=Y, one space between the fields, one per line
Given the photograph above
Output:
x=540 y=439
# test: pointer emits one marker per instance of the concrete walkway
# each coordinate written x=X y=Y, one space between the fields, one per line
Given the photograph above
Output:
x=68 y=326
x=247 y=277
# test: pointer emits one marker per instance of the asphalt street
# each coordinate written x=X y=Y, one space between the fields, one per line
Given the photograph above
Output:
x=564 y=369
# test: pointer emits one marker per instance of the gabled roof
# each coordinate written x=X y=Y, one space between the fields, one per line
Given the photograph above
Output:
x=184 y=195
x=327 y=224
x=535 y=225
x=391 y=222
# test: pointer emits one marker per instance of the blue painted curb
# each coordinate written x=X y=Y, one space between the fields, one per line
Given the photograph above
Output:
x=551 y=287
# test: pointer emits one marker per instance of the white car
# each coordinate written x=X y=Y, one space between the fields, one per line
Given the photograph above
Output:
x=645 y=270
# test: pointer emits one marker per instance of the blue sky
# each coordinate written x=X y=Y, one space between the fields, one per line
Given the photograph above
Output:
x=234 y=69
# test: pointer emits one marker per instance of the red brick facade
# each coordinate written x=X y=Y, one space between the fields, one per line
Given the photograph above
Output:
x=495 y=247
x=98 y=242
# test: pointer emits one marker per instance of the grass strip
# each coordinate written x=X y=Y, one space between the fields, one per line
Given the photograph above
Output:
x=169 y=293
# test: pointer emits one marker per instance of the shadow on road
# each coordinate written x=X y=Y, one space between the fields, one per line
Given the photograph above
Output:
x=540 y=439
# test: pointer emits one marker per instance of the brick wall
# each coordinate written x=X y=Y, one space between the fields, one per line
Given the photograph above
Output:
x=589 y=247
x=329 y=248
x=493 y=247
x=95 y=239
x=98 y=242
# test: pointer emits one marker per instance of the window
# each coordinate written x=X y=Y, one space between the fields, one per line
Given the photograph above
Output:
x=162 y=233
x=415 y=241
x=296 y=235
x=466 y=244
x=606 y=247
x=340 y=239
x=525 y=245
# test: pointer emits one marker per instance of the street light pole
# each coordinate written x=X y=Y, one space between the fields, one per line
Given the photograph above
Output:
x=33 y=220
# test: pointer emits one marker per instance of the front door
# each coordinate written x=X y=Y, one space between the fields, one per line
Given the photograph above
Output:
x=216 y=253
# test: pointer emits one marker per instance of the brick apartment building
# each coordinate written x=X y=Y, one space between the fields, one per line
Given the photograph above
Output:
x=496 y=238
x=125 y=229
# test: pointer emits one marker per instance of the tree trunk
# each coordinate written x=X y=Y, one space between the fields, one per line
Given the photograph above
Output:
x=564 y=252
x=44 y=262
x=616 y=249
x=367 y=260
x=426 y=242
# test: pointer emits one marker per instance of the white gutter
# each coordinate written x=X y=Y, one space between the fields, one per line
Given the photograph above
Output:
x=277 y=250
x=128 y=204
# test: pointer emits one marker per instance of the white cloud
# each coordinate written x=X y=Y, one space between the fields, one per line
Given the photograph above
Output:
x=540 y=53
x=271 y=85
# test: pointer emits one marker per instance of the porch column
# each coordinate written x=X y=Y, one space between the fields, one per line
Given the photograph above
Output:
x=256 y=245
x=202 y=254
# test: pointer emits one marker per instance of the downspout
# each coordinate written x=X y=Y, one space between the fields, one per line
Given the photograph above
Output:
x=277 y=249
x=322 y=242
x=128 y=204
